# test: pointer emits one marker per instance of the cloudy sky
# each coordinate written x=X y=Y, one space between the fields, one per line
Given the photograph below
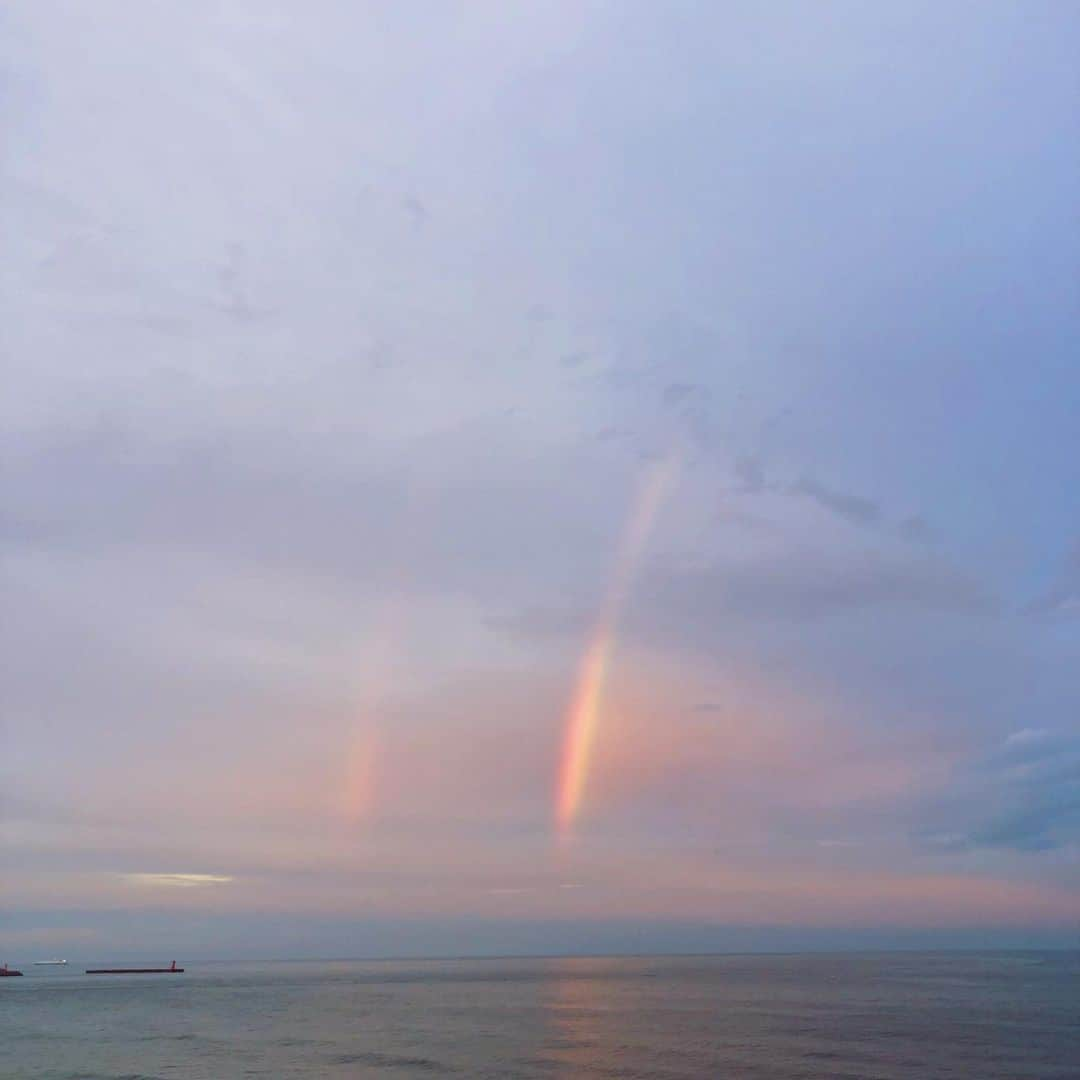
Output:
x=539 y=477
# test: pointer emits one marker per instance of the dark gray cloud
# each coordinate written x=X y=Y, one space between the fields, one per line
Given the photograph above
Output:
x=855 y=508
x=415 y=208
x=680 y=393
x=1023 y=796
x=916 y=529
x=751 y=475
x=813 y=585
x=316 y=505
x=533 y=624
x=1063 y=600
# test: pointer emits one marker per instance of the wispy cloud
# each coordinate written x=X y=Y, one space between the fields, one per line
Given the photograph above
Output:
x=176 y=881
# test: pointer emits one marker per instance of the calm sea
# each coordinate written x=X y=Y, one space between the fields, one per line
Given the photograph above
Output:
x=976 y=1016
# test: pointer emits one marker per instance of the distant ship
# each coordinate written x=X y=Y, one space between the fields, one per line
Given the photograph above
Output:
x=171 y=970
x=48 y=963
x=5 y=970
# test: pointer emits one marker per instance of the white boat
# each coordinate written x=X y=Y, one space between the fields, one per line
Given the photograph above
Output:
x=48 y=963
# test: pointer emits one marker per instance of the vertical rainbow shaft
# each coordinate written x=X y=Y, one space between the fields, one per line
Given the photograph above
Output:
x=583 y=713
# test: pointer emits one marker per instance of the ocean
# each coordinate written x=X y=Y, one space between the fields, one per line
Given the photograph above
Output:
x=761 y=1017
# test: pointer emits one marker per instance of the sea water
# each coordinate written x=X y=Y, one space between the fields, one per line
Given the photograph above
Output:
x=858 y=1016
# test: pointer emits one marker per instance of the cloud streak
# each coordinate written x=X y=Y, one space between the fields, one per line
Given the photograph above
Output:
x=176 y=881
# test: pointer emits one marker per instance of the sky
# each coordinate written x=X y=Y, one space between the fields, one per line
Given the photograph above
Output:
x=577 y=476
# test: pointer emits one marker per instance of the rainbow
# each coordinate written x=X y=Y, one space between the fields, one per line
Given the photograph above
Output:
x=583 y=714
x=360 y=758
